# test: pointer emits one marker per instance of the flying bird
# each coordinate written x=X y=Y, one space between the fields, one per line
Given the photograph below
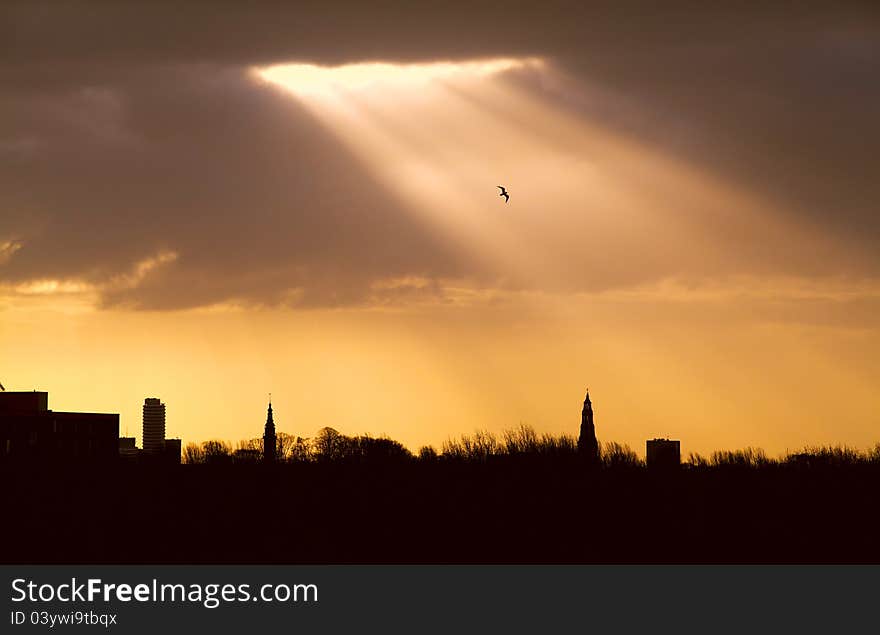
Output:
x=504 y=194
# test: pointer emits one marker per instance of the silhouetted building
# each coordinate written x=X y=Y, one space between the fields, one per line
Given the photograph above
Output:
x=588 y=445
x=127 y=449
x=663 y=453
x=154 y=426
x=23 y=402
x=29 y=431
x=171 y=453
x=269 y=437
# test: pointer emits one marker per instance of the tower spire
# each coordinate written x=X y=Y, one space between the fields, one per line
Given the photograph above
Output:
x=588 y=445
x=269 y=438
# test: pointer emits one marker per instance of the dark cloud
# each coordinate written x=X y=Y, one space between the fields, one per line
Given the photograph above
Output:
x=130 y=129
x=253 y=196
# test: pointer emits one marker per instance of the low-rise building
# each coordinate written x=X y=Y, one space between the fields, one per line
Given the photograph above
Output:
x=663 y=453
x=30 y=432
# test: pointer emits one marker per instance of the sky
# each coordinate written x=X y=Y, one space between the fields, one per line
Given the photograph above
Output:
x=211 y=202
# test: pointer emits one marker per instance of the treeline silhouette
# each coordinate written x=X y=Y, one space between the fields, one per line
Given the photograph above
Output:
x=517 y=497
x=523 y=442
x=327 y=445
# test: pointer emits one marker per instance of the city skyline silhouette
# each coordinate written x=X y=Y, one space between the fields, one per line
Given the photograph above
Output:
x=31 y=432
x=543 y=498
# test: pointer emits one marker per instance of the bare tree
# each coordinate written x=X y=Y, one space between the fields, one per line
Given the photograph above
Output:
x=284 y=445
x=329 y=444
x=216 y=451
x=193 y=454
x=301 y=450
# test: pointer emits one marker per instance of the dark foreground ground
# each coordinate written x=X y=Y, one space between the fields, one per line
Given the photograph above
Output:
x=423 y=512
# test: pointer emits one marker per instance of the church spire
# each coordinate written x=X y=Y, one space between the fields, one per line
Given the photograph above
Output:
x=588 y=445
x=269 y=436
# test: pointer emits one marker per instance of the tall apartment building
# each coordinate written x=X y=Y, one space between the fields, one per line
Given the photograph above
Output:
x=154 y=426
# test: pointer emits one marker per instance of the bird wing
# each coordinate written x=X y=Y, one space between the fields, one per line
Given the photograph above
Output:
x=501 y=187
x=506 y=197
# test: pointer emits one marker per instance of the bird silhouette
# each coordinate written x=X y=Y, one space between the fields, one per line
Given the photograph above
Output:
x=504 y=194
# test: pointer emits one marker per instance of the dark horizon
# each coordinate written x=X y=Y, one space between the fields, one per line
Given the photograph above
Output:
x=522 y=498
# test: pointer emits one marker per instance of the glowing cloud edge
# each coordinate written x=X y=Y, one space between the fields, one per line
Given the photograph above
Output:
x=312 y=80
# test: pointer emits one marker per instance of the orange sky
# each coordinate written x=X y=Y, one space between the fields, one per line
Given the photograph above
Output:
x=692 y=306
x=716 y=371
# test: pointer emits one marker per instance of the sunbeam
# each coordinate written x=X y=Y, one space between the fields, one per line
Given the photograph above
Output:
x=442 y=136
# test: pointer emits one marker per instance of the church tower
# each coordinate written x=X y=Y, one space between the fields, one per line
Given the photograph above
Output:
x=588 y=446
x=269 y=437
